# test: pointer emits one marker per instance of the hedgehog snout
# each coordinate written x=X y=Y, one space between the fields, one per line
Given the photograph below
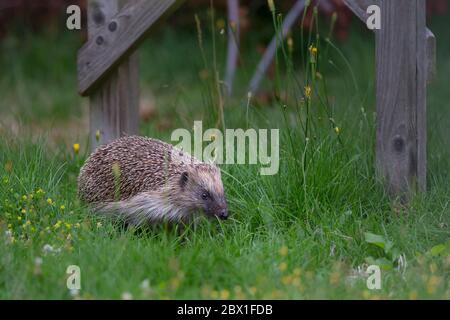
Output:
x=219 y=210
x=223 y=214
x=222 y=210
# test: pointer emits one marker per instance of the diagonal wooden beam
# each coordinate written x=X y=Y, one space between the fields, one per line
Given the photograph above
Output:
x=118 y=38
x=359 y=7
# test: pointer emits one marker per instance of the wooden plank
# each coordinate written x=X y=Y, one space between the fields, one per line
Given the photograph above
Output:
x=114 y=105
x=359 y=7
x=423 y=68
x=400 y=95
x=117 y=37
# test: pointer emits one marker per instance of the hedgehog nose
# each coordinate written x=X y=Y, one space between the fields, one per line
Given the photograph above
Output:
x=223 y=214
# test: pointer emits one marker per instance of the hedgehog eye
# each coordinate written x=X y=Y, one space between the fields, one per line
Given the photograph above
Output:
x=205 y=195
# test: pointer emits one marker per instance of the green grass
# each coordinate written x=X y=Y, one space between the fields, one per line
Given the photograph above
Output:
x=298 y=234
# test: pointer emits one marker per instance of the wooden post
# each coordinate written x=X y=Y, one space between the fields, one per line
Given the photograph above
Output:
x=114 y=104
x=401 y=72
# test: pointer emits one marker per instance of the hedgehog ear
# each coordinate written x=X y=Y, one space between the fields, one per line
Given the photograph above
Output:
x=184 y=179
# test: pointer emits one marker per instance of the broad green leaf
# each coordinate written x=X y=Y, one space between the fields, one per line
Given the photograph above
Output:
x=438 y=249
x=375 y=239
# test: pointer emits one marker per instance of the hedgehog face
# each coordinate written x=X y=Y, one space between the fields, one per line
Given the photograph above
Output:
x=203 y=186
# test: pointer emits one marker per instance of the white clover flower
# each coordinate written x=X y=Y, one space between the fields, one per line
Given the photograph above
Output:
x=127 y=296
x=145 y=285
x=38 y=261
x=49 y=249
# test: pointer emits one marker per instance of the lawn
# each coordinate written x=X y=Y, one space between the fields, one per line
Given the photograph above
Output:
x=308 y=232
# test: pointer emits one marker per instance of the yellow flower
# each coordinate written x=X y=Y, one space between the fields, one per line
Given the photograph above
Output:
x=62 y=207
x=296 y=281
x=224 y=294
x=214 y=294
x=24 y=211
x=77 y=225
x=28 y=222
x=76 y=147
x=337 y=130
x=24 y=197
x=307 y=92
x=432 y=284
x=290 y=44
x=220 y=24
x=286 y=280
x=50 y=201
x=271 y=5
x=312 y=50
x=19 y=218
x=334 y=278
x=282 y=266
x=8 y=166
x=283 y=251
x=99 y=224
x=97 y=135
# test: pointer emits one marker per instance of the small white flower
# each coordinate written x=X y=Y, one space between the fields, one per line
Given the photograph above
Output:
x=145 y=285
x=74 y=293
x=127 y=296
x=38 y=261
x=8 y=233
x=49 y=249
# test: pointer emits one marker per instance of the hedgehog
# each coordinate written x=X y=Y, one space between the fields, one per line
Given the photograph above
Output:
x=145 y=181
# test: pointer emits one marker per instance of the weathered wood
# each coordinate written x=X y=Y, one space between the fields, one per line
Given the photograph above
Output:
x=423 y=69
x=116 y=37
x=400 y=95
x=359 y=7
x=114 y=105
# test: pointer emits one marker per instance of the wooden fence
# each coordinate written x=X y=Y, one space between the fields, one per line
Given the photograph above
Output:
x=405 y=50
